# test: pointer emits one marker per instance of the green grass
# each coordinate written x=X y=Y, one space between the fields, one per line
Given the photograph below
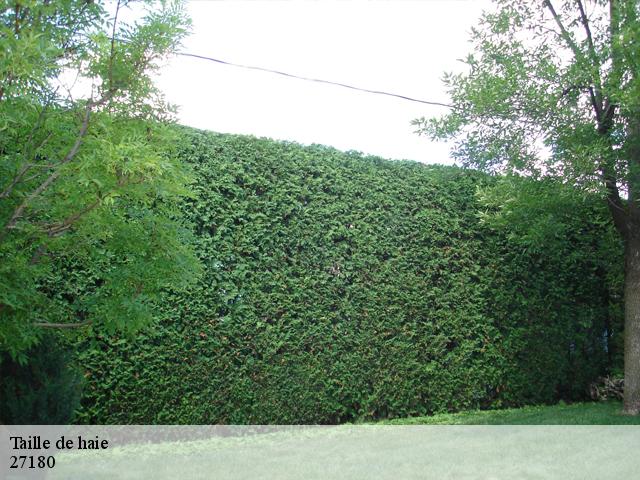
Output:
x=380 y=450
x=602 y=413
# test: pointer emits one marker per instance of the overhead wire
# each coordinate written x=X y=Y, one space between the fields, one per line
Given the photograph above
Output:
x=310 y=79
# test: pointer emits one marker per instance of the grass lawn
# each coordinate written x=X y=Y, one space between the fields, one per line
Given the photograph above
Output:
x=601 y=413
x=409 y=448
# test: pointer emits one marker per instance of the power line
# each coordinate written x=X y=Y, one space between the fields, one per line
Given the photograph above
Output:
x=317 y=80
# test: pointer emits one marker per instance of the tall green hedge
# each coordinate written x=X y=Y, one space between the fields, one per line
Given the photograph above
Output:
x=339 y=287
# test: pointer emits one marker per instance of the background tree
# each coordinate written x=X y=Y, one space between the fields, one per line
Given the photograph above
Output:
x=553 y=89
x=88 y=184
x=46 y=391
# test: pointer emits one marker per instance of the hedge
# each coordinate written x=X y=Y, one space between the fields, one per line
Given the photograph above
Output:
x=339 y=286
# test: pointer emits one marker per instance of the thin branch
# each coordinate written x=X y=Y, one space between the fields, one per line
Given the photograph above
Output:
x=7 y=191
x=596 y=102
x=550 y=30
x=31 y=155
x=62 y=325
x=607 y=115
x=564 y=32
x=587 y=28
x=16 y=23
x=8 y=81
x=56 y=173
x=614 y=30
x=597 y=94
x=37 y=255
x=63 y=226
x=40 y=120
x=25 y=168
x=113 y=44
x=617 y=208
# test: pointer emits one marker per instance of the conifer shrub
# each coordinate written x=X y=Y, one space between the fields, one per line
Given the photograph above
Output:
x=43 y=391
x=339 y=286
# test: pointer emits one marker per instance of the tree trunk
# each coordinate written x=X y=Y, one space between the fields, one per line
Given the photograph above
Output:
x=632 y=325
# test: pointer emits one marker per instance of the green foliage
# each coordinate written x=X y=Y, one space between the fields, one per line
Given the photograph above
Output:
x=548 y=92
x=552 y=90
x=338 y=287
x=89 y=181
x=44 y=391
x=541 y=217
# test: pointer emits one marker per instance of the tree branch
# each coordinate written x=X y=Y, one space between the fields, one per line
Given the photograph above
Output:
x=614 y=202
x=113 y=44
x=596 y=96
x=40 y=251
x=606 y=121
x=563 y=31
x=614 y=30
x=596 y=103
x=63 y=226
x=7 y=81
x=34 y=150
x=56 y=173
x=587 y=28
x=62 y=325
x=16 y=20
x=25 y=168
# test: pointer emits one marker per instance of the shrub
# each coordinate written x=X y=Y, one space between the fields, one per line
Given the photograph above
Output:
x=339 y=286
x=46 y=390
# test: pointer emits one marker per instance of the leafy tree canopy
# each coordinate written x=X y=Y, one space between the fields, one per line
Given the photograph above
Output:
x=88 y=182
x=553 y=90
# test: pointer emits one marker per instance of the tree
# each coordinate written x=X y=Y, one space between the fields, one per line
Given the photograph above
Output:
x=88 y=185
x=46 y=391
x=553 y=90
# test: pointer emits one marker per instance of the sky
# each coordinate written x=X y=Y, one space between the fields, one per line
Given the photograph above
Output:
x=402 y=47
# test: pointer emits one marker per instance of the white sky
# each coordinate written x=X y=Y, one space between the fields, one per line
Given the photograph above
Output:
x=401 y=47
